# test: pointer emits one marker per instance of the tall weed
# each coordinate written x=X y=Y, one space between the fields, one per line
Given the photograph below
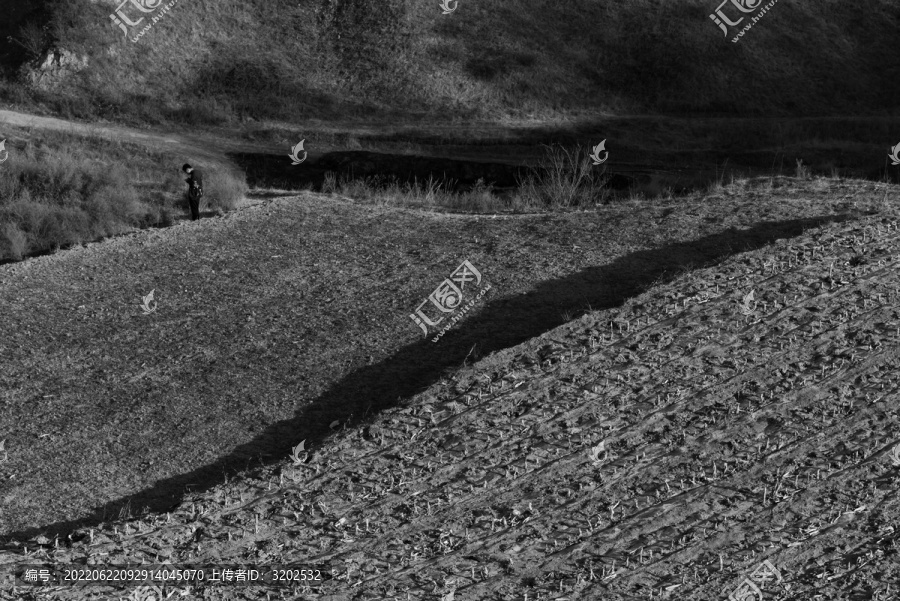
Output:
x=566 y=178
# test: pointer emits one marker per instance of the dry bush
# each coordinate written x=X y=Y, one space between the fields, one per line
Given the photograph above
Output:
x=223 y=188
x=566 y=178
x=13 y=242
x=56 y=195
x=329 y=185
x=33 y=39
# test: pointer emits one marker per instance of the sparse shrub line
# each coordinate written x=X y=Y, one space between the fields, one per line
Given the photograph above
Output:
x=565 y=179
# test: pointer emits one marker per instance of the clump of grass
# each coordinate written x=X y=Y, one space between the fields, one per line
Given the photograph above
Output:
x=13 y=242
x=329 y=185
x=479 y=199
x=718 y=185
x=366 y=189
x=636 y=196
x=565 y=179
x=428 y=194
x=224 y=188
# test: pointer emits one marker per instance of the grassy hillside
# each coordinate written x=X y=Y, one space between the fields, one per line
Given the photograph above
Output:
x=59 y=189
x=222 y=61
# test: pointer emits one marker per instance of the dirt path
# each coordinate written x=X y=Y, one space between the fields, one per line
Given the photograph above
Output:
x=214 y=143
x=226 y=139
x=207 y=146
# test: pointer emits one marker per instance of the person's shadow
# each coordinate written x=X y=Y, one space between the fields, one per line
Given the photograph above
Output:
x=497 y=324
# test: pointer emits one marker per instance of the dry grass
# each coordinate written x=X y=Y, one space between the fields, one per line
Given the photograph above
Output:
x=431 y=194
x=225 y=188
x=232 y=61
x=565 y=179
x=54 y=196
x=58 y=189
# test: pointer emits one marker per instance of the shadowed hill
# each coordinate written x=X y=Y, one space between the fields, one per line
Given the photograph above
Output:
x=211 y=61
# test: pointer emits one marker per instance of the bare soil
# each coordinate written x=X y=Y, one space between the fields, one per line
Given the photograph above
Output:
x=590 y=430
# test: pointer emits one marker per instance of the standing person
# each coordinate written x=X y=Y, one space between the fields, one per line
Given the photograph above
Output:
x=195 y=189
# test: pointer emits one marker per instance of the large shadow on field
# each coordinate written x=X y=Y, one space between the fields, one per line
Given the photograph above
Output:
x=501 y=323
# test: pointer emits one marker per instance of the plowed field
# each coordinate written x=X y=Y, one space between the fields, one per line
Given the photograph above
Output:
x=663 y=448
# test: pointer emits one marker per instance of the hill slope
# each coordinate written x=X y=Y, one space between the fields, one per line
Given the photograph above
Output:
x=207 y=61
x=733 y=428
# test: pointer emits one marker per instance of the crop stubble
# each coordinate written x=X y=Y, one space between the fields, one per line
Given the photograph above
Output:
x=721 y=439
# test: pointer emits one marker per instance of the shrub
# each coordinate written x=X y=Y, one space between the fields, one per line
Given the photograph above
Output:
x=566 y=178
x=52 y=197
x=33 y=38
x=329 y=184
x=13 y=242
x=224 y=188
